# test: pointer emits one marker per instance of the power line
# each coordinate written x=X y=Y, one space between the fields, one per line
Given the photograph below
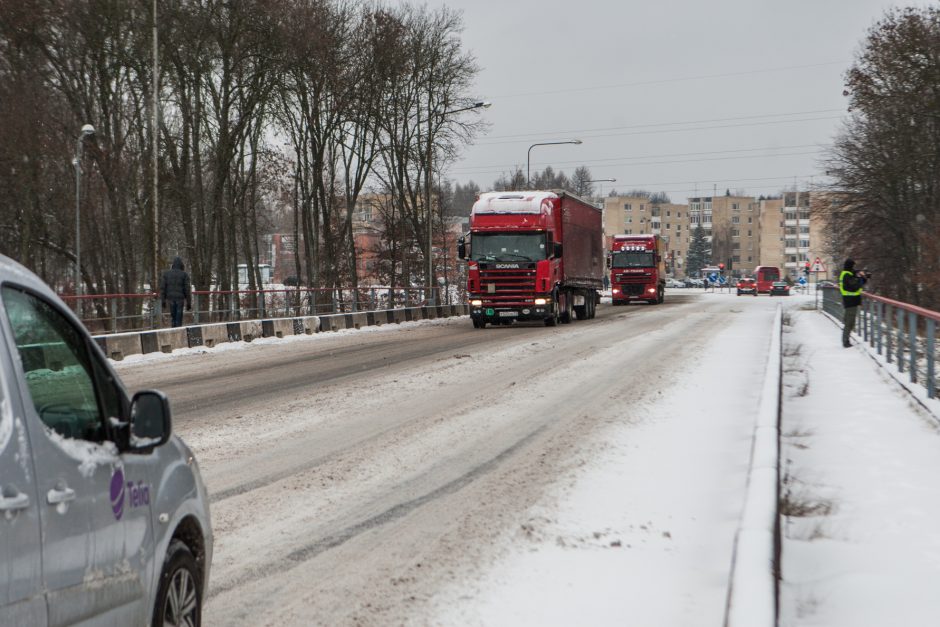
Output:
x=725 y=182
x=648 y=163
x=694 y=128
x=654 y=124
x=667 y=80
x=626 y=160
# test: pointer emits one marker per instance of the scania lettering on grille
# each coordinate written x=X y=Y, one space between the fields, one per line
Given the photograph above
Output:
x=508 y=266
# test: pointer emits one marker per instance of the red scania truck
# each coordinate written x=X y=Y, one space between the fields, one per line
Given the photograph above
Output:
x=533 y=255
x=637 y=269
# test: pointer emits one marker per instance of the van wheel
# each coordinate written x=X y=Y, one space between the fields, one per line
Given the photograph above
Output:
x=179 y=599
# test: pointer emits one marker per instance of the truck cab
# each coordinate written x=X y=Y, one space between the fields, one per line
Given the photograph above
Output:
x=637 y=269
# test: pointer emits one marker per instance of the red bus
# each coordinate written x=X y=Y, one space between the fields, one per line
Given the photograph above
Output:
x=766 y=275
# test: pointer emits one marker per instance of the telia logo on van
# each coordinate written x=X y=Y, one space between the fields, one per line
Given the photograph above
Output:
x=136 y=494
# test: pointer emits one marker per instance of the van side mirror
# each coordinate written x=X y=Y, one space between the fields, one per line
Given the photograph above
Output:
x=558 y=249
x=150 y=420
x=461 y=248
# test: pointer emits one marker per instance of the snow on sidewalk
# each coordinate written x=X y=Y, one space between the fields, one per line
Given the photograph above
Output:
x=861 y=543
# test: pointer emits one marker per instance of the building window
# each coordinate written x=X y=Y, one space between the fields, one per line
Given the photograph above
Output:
x=735 y=207
x=735 y=233
x=667 y=226
x=749 y=234
x=668 y=213
x=642 y=207
x=749 y=219
x=627 y=206
x=735 y=219
x=749 y=258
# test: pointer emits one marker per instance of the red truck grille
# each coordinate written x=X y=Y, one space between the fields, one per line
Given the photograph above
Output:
x=514 y=286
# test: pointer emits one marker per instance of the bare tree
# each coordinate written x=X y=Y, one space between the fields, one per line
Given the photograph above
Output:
x=883 y=208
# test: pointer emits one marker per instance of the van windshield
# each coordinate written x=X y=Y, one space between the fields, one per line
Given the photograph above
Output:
x=508 y=247
x=632 y=259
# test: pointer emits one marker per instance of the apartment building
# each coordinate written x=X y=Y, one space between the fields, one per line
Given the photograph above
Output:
x=732 y=229
x=794 y=235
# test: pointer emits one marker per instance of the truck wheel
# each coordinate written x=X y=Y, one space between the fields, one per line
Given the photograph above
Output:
x=179 y=598
x=552 y=319
x=566 y=314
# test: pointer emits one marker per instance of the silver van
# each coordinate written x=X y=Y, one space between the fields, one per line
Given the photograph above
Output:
x=104 y=518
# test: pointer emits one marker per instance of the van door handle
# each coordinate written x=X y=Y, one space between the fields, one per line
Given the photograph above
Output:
x=14 y=503
x=54 y=497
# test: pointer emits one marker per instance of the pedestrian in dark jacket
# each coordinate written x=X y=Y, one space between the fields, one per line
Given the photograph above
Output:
x=176 y=290
x=850 y=286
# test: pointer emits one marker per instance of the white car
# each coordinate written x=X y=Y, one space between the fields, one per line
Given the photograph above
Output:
x=674 y=283
x=105 y=518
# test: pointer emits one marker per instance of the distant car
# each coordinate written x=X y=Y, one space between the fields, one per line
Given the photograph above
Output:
x=826 y=284
x=693 y=283
x=747 y=285
x=674 y=283
x=779 y=288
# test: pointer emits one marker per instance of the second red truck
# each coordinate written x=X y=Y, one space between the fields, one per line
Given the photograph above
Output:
x=637 y=269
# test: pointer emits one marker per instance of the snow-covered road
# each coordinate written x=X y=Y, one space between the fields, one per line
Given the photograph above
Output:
x=435 y=474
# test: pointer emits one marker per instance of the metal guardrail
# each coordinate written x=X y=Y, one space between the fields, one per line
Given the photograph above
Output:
x=115 y=313
x=904 y=334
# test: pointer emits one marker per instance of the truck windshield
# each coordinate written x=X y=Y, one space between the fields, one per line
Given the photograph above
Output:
x=632 y=259
x=508 y=247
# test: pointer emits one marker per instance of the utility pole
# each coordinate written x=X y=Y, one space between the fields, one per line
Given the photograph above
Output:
x=155 y=123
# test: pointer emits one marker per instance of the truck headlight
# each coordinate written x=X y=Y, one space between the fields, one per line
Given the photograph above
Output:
x=651 y=290
x=615 y=291
x=540 y=301
x=476 y=303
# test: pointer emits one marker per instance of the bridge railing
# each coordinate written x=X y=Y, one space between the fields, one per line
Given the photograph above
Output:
x=115 y=313
x=904 y=334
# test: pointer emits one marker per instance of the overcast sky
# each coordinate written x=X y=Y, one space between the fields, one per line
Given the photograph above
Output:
x=679 y=96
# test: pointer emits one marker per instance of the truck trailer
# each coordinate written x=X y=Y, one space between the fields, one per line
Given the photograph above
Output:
x=637 y=266
x=533 y=255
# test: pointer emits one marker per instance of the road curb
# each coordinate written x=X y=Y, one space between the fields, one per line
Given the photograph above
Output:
x=755 y=564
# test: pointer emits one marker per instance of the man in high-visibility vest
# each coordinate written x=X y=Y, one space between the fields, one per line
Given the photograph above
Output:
x=850 y=286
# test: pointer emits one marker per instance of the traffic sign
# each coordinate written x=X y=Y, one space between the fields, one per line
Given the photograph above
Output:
x=801 y=280
x=818 y=265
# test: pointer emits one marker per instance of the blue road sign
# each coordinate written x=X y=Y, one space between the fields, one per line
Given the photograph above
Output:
x=802 y=280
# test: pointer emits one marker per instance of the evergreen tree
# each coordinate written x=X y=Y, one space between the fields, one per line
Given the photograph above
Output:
x=697 y=257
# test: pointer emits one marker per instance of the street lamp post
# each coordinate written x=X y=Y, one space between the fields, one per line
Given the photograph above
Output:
x=602 y=181
x=87 y=131
x=529 y=155
x=427 y=189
